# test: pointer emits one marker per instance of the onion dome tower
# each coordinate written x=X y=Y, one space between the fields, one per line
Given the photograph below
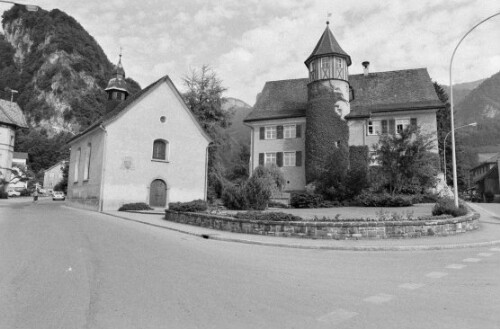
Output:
x=327 y=133
x=117 y=86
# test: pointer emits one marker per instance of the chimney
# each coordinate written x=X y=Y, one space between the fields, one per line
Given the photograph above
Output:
x=366 y=65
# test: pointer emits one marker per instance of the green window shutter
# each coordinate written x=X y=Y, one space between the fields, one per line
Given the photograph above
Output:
x=413 y=122
x=262 y=132
x=392 y=126
x=261 y=159
x=279 y=132
x=298 y=131
x=384 y=127
x=279 y=159
x=298 y=159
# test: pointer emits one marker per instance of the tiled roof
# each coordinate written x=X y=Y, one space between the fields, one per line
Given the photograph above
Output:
x=11 y=114
x=377 y=92
x=327 y=45
x=117 y=84
x=20 y=155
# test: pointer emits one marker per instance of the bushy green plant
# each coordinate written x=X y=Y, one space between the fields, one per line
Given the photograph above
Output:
x=234 y=198
x=191 y=206
x=306 y=200
x=268 y=216
x=489 y=196
x=3 y=194
x=370 y=199
x=447 y=207
x=135 y=206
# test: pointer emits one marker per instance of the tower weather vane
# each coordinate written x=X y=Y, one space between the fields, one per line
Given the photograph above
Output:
x=328 y=18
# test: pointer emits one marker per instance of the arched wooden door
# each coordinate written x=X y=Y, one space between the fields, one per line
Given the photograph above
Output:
x=158 y=193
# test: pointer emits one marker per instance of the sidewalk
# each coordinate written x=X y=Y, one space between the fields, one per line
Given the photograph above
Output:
x=487 y=235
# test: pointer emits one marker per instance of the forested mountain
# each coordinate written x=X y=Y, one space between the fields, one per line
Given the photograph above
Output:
x=481 y=105
x=60 y=73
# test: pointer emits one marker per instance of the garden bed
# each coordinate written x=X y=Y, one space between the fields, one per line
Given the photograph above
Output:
x=339 y=229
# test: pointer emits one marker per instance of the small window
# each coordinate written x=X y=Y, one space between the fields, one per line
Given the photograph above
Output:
x=271 y=132
x=160 y=150
x=86 y=172
x=374 y=127
x=290 y=131
x=76 y=165
x=270 y=158
x=401 y=125
x=289 y=159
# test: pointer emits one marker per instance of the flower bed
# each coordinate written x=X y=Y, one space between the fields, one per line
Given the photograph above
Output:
x=333 y=229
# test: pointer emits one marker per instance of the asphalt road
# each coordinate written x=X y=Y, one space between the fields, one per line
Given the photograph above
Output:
x=66 y=268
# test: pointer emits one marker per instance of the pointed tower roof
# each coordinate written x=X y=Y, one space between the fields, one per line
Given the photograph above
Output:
x=117 y=82
x=327 y=45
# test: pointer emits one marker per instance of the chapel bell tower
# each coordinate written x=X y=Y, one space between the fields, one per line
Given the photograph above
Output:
x=117 y=86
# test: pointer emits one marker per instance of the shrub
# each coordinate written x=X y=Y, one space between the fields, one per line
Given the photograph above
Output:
x=447 y=207
x=489 y=196
x=233 y=197
x=369 y=199
x=306 y=200
x=25 y=192
x=268 y=216
x=275 y=204
x=191 y=206
x=3 y=194
x=135 y=206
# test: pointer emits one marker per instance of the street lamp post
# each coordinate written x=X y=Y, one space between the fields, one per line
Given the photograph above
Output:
x=27 y=6
x=454 y=158
x=473 y=124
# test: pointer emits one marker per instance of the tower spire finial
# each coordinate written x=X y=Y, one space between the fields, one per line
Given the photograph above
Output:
x=328 y=18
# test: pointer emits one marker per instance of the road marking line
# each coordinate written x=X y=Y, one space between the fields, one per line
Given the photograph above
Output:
x=436 y=275
x=485 y=254
x=379 y=299
x=337 y=316
x=471 y=260
x=411 y=286
x=495 y=249
x=456 y=266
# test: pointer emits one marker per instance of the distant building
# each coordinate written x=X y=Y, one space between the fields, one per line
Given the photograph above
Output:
x=298 y=123
x=53 y=175
x=149 y=149
x=11 y=118
x=486 y=176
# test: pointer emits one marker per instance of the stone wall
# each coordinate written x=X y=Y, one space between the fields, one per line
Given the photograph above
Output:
x=332 y=230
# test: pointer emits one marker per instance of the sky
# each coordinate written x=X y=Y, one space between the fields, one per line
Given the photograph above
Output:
x=249 y=42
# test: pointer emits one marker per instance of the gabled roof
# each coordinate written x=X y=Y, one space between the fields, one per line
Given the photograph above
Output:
x=327 y=45
x=378 y=92
x=11 y=114
x=122 y=107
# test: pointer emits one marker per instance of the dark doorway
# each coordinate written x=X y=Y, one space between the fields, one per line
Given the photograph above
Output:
x=158 y=193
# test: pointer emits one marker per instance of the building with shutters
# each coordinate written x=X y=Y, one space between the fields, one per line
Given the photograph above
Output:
x=296 y=124
x=150 y=149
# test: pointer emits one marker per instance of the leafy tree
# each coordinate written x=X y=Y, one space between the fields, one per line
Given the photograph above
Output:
x=406 y=163
x=63 y=184
x=204 y=98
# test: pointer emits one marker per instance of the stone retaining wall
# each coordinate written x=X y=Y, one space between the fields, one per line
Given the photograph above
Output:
x=331 y=230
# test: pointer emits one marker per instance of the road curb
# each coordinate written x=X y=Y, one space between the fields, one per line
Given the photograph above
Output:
x=302 y=246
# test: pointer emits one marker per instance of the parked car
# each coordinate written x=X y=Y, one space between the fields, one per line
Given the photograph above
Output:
x=58 y=195
x=13 y=193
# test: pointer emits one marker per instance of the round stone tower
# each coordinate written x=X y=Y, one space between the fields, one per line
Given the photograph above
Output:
x=327 y=133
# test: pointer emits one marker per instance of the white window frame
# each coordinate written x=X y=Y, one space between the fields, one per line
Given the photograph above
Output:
x=326 y=62
x=271 y=132
x=77 y=164
x=289 y=159
x=375 y=125
x=404 y=123
x=270 y=158
x=289 y=131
